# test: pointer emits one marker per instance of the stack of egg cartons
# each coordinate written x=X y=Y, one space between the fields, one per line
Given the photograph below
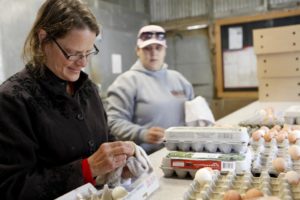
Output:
x=278 y=62
x=192 y=148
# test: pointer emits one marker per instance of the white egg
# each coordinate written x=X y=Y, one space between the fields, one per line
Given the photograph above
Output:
x=294 y=152
x=203 y=176
x=292 y=177
x=119 y=192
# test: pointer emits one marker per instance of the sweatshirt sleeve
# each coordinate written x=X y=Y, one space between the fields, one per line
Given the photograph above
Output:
x=21 y=175
x=121 y=102
x=188 y=88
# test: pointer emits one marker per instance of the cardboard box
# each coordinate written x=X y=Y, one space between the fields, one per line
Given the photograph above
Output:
x=277 y=40
x=278 y=65
x=279 y=89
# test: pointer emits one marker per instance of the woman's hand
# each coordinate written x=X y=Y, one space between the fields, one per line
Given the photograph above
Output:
x=155 y=135
x=110 y=156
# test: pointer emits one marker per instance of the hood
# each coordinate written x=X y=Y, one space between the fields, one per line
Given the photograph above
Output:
x=139 y=67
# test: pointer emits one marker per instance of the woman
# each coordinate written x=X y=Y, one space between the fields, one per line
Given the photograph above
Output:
x=54 y=135
x=149 y=97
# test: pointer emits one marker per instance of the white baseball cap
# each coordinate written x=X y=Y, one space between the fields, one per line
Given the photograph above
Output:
x=151 y=34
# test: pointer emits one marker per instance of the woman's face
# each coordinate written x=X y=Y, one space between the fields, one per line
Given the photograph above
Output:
x=152 y=56
x=76 y=42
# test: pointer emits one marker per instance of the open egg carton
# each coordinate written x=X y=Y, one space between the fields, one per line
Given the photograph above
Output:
x=292 y=115
x=183 y=164
x=141 y=188
x=207 y=139
x=241 y=182
x=267 y=145
x=264 y=117
x=265 y=152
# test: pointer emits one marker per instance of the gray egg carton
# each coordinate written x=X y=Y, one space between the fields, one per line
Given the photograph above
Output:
x=223 y=182
x=183 y=164
x=263 y=153
x=207 y=139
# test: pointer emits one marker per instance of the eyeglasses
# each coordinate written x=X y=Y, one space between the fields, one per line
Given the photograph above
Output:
x=76 y=57
x=149 y=35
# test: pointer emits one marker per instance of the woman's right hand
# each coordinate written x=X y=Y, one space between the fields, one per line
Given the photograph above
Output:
x=155 y=135
x=109 y=156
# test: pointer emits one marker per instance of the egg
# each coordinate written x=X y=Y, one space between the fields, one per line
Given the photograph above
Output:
x=256 y=135
x=294 y=136
x=284 y=132
x=276 y=127
x=280 y=137
x=265 y=129
x=232 y=195
x=269 y=135
x=204 y=175
x=294 y=151
x=292 y=177
x=279 y=164
x=253 y=193
x=119 y=192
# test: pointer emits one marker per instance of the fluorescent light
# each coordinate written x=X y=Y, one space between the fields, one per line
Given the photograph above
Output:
x=198 y=26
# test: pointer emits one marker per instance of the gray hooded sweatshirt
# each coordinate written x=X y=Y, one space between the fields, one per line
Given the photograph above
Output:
x=140 y=99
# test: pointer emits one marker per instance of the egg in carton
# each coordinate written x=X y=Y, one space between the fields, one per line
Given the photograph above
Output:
x=207 y=139
x=140 y=189
x=285 y=186
x=264 y=117
x=275 y=157
x=183 y=164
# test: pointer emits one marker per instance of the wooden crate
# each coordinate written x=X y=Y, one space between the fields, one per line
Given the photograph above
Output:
x=279 y=89
x=277 y=40
x=278 y=65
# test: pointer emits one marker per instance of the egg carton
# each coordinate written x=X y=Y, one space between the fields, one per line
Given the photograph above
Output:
x=207 y=139
x=141 y=189
x=292 y=115
x=263 y=153
x=183 y=164
x=241 y=182
x=264 y=117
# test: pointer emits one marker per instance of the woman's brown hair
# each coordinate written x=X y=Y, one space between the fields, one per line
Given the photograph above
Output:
x=57 y=18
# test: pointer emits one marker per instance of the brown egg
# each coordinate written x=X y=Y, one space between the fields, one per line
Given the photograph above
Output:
x=294 y=136
x=280 y=137
x=279 y=164
x=256 y=135
x=276 y=127
x=284 y=132
x=294 y=151
x=253 y=193
x=269 y=135
x=232 y=195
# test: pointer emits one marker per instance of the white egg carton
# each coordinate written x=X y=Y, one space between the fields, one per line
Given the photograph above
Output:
x=292 y=115
x=183 y=164
x=207 y=139
x=141 y=189
x=269 y=186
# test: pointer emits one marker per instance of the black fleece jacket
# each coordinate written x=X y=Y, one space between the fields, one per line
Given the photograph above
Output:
x=45 y=133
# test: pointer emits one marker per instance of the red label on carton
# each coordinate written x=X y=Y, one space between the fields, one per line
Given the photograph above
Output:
x=196 y=164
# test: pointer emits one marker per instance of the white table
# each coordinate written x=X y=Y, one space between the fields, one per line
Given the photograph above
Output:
x=174 y=188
